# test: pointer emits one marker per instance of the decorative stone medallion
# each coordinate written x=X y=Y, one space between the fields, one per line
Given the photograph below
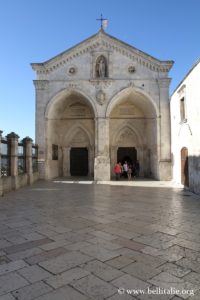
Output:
x=100 y=97
x=72 y=70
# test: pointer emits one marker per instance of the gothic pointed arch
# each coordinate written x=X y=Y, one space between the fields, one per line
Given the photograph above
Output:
x=59 y=98
x=141 y=98
x=78 y=134
x=126 y=134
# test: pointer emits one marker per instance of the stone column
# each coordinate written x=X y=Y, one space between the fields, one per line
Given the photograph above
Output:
x=165 y=133
x=91 y=161
x=27 y=141
x=41 y=90
x=13 y=140
x=1 y=185
x=102 y=159
x=113 y=159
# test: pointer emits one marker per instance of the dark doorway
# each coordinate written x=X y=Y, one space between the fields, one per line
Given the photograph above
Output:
x=184 y=167
x=128 y=154
x=79 y=161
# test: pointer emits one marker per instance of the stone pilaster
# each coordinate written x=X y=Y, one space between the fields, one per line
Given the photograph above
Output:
x=102 y=159
x=41 y=91
x=164 y=130
x=27 y=141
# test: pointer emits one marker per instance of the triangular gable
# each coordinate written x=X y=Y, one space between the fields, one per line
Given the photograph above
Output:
x=107 y=41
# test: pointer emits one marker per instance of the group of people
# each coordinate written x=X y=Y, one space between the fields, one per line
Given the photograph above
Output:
x=127 y=170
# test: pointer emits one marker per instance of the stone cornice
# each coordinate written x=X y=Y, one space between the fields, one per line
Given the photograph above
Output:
x=107 y=42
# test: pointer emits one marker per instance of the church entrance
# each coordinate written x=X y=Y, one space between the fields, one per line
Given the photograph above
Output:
x=184 y=167
x=79 y=161
x=128 y=154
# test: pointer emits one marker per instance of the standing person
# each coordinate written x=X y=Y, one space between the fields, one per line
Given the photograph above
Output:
x=137 y=168
x=117 y=171
x=125 y=169
x=129 y=172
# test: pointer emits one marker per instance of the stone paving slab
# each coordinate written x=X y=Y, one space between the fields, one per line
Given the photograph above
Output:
x=119 y=262
x=99 y=253
x=7 y=297
x=11 y=282
x=102 y=270
x=12 y=266
x=65 y=262
x=32 y=291
x=33 y=273
x=141 y=271
x=25 y=246
x=35 y=259
x=56 y=244
x=167 y=281
x=66 y=277
x=64 y=293
x=95 y=287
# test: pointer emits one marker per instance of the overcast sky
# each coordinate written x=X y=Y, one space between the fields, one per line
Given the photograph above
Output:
x=37 y=30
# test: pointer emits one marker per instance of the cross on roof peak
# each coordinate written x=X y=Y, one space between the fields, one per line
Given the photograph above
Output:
x=104 y=22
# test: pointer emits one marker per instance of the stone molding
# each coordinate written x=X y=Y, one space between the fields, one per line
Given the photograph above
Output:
x=101 y=83
x=107 y=43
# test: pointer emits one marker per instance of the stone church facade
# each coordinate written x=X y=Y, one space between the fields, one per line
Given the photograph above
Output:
x=102 y=101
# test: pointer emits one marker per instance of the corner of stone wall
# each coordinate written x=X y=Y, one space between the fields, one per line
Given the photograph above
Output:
x=102 y=168
x=165 y=170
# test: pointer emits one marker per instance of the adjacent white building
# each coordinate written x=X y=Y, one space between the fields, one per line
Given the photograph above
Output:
x=185 y=126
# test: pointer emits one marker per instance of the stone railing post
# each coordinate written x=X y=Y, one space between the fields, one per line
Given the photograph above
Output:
x=0 y=149
x=13 y=140
x=27 y=141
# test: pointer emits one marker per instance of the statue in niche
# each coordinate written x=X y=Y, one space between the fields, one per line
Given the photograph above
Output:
x=101 y=67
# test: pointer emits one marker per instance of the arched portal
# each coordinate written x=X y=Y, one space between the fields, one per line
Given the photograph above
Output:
x=70 y=126
x=134 y=130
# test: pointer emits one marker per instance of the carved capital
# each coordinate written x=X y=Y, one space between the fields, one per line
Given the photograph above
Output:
x=164 y=82
x=12 y=135
x=27 y=139
x=41 y=84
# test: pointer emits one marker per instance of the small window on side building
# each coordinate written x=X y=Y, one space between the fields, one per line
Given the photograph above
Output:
x=182 y=109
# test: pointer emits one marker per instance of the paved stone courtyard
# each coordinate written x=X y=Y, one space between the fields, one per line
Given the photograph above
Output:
x=88 y=241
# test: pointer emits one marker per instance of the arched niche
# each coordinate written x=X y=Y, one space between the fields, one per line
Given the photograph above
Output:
x=101 y=67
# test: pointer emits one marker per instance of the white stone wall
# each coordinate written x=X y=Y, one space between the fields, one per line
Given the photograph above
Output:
x=186 y=134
